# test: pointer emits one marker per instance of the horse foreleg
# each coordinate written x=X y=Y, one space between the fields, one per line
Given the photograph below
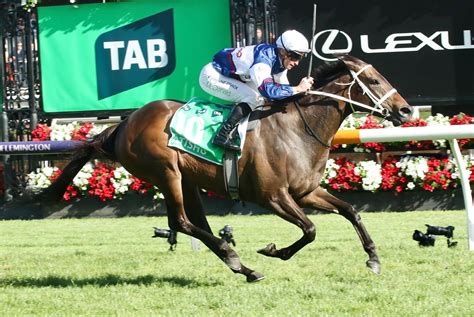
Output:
x=179 y=221
x=322 y=200
x=285 y=207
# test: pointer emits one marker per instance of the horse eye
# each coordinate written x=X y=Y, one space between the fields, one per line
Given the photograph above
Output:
x=374 y=82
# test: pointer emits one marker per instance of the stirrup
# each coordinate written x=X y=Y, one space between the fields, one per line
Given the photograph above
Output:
x=227 y=144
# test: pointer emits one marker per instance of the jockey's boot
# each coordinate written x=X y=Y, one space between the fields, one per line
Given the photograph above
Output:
x=223 y=137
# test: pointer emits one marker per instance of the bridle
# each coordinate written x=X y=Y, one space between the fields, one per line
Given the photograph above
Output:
x=377 y=108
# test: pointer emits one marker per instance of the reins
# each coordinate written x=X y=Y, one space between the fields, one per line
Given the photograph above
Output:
x=308 y=128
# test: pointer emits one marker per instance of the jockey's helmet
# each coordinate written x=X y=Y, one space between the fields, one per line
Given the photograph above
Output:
x=293 y=41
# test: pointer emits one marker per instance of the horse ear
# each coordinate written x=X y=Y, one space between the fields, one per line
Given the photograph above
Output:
x=339 y=56
x=348 y=60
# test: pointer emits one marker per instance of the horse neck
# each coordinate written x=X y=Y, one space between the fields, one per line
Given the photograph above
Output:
x=324 y=115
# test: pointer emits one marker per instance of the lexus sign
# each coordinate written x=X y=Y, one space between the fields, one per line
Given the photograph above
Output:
x=424 y=48
x=323 y=43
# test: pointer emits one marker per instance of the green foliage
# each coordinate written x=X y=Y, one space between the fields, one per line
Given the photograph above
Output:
x=102 y=267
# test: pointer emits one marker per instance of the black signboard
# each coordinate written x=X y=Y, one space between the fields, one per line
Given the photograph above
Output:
x=425 y=48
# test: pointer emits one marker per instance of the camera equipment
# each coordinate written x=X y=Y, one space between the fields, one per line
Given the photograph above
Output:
x=442 y=231
x=169 y=234
x=226 y=234
x=428 y=239
x=424 y=240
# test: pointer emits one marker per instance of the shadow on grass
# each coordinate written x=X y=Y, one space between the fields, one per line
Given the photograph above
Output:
x=103 y=281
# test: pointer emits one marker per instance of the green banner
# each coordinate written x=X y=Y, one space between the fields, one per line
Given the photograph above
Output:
x=114 y=56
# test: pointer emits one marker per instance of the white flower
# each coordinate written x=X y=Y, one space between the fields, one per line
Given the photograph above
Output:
x=96 y=129
x=371 y=174
x=40 y=179
x=415 y=167
x=435 y=121
x=158 y=195
x=81 y=180
x=410 y=185
x=121 y=181
x=387 y=124
x=438 y=120
x=456 y=174
x=353 y=121
x=330 y=170
x=62 y=132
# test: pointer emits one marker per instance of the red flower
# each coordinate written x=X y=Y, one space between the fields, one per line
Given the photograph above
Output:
x=371 y=123
x=417 y=145
x=391 y=176
x=140 y=186
x=41 y=133
x=81 y=133
x=346 y=179
x=100 y=184
x=462 y=118
x=439 y=175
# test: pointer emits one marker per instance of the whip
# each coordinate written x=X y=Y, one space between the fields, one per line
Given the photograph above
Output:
x=312 y=38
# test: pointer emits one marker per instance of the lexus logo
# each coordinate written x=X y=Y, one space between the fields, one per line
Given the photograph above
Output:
x=327 y=47
x=332 y=41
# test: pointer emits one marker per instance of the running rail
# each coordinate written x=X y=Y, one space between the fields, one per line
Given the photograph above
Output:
x=450 y=133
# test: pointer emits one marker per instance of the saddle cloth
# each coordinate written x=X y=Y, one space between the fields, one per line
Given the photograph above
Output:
x=196 y=123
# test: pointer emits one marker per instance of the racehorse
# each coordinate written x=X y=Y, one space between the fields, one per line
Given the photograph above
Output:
x=281 y=165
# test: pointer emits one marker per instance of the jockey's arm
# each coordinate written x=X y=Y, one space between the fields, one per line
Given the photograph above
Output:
x=261 y=75
x=282 y=78
x=277 y=88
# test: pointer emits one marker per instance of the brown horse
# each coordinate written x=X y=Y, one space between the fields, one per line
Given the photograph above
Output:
x=282 y=163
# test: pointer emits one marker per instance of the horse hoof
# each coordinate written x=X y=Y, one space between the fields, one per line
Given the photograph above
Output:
x=374 y=266
x=269 y=250
x=255 y=277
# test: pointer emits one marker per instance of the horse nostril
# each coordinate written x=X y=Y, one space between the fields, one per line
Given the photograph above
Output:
x=406 y=111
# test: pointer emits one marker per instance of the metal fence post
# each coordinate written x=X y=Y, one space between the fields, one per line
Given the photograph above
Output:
x=3 y=116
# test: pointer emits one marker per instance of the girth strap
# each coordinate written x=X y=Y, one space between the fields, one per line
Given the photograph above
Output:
x=231 y=173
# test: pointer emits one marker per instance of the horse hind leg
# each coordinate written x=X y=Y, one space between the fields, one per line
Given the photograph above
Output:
x=322 y=200
x=178 y=220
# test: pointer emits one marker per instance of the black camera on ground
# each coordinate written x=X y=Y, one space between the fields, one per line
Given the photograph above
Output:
x=429 y=238
x=226 y=234
x=169 y=235
x=440 y=231
x=424 y=240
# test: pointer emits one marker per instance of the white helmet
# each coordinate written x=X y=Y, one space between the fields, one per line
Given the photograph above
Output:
x=293 y=41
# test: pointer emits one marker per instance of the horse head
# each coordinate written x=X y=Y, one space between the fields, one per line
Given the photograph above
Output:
x=371 y=88
x=366 y=89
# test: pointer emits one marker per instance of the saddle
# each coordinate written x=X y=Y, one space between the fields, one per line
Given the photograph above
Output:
x=193 y=127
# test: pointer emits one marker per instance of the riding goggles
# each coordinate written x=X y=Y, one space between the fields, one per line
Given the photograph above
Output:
x=295 y=56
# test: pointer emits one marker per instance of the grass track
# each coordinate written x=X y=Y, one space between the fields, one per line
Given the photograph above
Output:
x=103 y=267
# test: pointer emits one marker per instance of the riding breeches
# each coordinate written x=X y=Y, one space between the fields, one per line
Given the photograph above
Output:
x=229 y=89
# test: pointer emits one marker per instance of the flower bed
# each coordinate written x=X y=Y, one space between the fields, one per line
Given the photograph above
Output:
x=407 y=173
x=106 y=182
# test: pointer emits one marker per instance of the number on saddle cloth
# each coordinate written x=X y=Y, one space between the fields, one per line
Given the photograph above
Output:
x=194 y=125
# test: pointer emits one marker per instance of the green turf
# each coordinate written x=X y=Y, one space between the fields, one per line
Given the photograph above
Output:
x=103 y=267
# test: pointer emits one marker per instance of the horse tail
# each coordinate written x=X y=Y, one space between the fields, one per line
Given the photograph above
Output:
x=101 y=146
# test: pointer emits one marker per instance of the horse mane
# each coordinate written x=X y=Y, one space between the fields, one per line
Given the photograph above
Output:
x=328 y=71
x=323 y=75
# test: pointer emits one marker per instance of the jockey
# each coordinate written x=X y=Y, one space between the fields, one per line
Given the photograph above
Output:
x=250 y=74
